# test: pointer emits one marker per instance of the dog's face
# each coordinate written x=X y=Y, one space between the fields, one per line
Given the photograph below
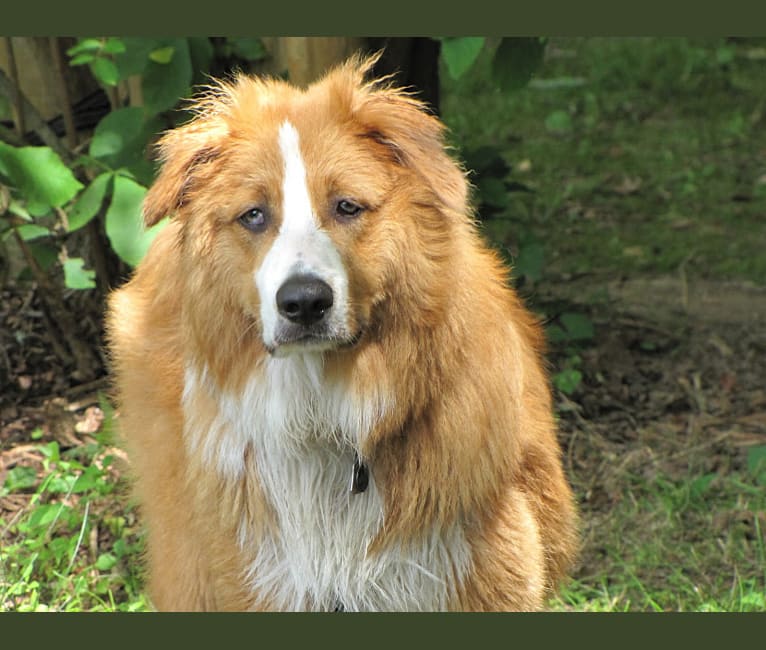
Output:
x=302 y=210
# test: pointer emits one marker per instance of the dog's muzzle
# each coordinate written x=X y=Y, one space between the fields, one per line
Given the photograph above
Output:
x=307 y=319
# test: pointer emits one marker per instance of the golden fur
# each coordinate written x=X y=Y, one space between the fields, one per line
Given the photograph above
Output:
x=467 y=441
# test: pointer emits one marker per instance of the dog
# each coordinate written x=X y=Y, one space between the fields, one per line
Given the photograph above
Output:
x=331 y=397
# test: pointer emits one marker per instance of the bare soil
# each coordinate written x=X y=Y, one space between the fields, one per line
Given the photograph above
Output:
x=674 y=384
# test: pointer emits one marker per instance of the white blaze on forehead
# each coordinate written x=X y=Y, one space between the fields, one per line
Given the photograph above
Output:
x=297 y=213
x=301 y=246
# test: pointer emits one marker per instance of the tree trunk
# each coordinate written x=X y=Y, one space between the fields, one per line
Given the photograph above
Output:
x=414 y=62
x=305 y=59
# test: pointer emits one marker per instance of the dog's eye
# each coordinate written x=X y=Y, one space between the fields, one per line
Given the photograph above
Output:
x=254 y=219
x=346 y=209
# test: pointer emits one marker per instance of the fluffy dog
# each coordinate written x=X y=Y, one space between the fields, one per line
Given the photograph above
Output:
x=331 y=398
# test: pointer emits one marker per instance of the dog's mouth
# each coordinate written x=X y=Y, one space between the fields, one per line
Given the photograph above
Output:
x=310 y=341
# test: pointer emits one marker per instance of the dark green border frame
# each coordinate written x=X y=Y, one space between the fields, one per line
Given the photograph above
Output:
x=392 y=17
x=370 y=631
x=388 y=18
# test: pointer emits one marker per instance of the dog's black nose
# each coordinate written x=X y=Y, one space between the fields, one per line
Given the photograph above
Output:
x=304 y=299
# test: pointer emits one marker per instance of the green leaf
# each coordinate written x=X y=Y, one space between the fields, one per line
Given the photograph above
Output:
x=120 y=548
x=85 y=45
x=515 y=61
x=555 y=334
x=29 y=231
x=77 y=277
x=135 y=58
x=51 y=451
x=117 y=136
x=567 y=380
x=201 y=52
x=40 y=175
x=725 y=55
x=162 y=55
x=60 y=484
x=700 y=485
x=251 y=49
x=165 y=84
x=20 y=478
x=578 y=326
x=460 y=53
x=44 y=253
x=19 y=210
x=89 y=203
x=60 y=547
x=114 y=46
x=105 y=562
x=492 y=192
x=44 y=515
x=124 y=225
x=530 y=260
x=81 y=59
x=115 y=130
x=88 y=480
x=558 y=122
x=105 y=71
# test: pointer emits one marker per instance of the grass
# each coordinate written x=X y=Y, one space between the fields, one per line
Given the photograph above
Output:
x=691 y=543
x=641 y=154
x=73 y=544
x=694 y=543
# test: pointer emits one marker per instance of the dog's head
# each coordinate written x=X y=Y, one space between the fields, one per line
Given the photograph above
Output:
x=305 y=209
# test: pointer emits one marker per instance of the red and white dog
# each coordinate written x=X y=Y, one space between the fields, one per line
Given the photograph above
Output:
x=330 y=395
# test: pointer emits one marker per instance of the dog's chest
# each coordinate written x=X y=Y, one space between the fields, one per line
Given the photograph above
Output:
x=317 y=557
x=303 y=434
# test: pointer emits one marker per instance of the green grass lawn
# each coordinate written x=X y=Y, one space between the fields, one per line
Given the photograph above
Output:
x=641 y=154
x=693 y=543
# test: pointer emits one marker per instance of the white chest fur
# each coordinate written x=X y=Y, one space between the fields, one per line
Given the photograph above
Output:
x=304 y=432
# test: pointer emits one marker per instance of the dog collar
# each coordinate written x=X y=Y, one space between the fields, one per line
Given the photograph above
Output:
x=360 y=476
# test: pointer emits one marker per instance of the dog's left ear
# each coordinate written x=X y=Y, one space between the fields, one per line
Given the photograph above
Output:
x=415 y=139
x=182 y=152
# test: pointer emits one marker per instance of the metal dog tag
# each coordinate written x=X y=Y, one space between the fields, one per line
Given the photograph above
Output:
x=360 y=476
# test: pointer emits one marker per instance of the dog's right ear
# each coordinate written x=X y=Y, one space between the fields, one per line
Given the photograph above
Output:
x=182 y=152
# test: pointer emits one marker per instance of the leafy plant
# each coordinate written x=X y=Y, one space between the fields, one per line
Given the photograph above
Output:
x=144 y=79
x=514 y=60
x=51 y=555
x=509 y=64
x=459 y=54
x=571 y=331
x=99 y=55
x=572 y=327
x=53 y=194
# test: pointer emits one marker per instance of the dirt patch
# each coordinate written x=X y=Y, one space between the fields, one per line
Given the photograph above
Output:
x=674 y=384
x=667 y=300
